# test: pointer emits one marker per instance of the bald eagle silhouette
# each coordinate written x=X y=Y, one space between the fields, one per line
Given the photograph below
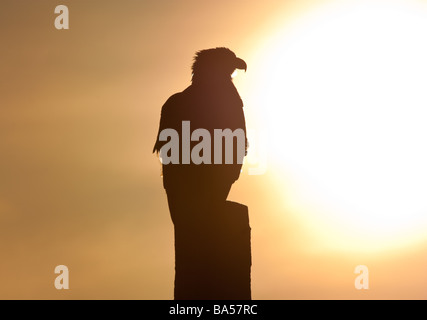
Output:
x=210 y=102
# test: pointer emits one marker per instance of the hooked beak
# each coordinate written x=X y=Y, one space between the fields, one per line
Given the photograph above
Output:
x=241 y=64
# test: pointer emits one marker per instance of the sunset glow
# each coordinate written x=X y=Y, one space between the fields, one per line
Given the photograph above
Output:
x=335 y=101
x=344 y=103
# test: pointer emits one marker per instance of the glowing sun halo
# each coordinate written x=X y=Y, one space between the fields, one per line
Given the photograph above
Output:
x=343 y=94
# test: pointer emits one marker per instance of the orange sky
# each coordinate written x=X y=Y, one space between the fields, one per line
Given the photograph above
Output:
x=79 y=186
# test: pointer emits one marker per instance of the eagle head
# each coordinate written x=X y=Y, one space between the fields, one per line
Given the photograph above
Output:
x=215 y=64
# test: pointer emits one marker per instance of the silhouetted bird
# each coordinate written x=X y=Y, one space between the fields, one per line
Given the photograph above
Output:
x=210 y=102
x=198 y=192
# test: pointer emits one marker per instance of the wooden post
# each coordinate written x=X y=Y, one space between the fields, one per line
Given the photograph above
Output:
x=213 y=255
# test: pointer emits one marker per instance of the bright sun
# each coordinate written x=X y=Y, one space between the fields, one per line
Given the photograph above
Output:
x=343 y=96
